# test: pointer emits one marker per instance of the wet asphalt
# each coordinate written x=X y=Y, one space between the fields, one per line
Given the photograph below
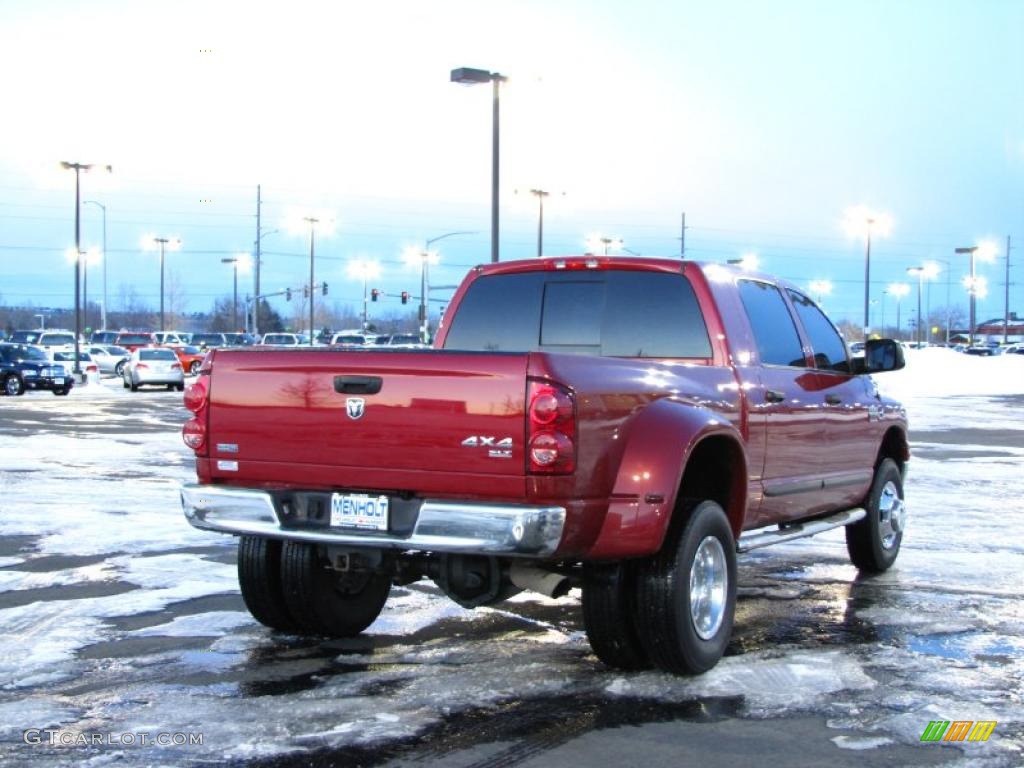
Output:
x=778 y=611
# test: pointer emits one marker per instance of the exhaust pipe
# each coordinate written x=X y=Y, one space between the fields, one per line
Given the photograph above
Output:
x=537 y=579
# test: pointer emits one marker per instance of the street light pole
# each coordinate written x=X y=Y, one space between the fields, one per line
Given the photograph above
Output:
x=424 y=258
x=234 y=298
x=103 y=307
x=540 y=195
x=867 y=281
x=313 y=221
x=77 y=168
x=469 y=76
x=918 y=272
x=972 y=285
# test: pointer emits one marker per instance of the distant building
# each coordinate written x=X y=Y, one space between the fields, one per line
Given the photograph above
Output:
x=992 y=330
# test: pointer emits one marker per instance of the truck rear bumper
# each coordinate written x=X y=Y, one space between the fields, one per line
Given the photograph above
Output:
x=441 y=526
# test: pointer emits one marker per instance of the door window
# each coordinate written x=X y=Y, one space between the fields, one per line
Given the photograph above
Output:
x=828 y=346
x=774 y=331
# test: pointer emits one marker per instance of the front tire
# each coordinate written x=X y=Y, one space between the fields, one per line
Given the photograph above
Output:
x=686 y=594
x=119 y=369
x=194 y=367
x=259 y=577
x=14 y=386
x=327 y=602
x=62 y=391
x=609 y=590
x=874 y=542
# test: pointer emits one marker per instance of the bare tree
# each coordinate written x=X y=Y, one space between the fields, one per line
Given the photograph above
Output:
x=175 y=300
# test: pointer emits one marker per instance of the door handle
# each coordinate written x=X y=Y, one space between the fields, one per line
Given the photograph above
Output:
x=774 y=396
x=833 y=399
x=357 y=385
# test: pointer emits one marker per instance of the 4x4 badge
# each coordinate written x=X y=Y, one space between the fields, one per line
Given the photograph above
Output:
x=355 y=407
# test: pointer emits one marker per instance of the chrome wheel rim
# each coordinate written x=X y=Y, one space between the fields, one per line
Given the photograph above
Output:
x=709 y=580
x=11 y=386
x=892 y=515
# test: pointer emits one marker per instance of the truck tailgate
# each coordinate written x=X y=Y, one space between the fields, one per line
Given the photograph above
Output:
x=405 y=420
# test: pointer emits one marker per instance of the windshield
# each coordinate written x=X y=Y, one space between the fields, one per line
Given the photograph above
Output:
x=134 y=338
x=56 y=339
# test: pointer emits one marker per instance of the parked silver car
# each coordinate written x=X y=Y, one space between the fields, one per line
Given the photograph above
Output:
x=110 y=358
x=150 y=365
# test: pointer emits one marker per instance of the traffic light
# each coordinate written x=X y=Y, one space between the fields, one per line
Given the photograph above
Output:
x=374 y=293
x=405 y=297
x=324 y=289
x=287 y=294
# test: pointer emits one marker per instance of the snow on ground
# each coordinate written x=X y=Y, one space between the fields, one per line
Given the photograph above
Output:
x=110 y=643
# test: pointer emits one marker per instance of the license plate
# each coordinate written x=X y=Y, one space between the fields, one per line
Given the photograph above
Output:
x=359 y=510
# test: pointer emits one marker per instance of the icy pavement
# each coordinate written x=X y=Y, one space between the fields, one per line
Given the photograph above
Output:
x=119 y=621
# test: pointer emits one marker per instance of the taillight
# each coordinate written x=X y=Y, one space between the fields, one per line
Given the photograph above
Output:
x=194 y=434
x=140 y=365
x=175 y=366
x=91 y=369
x=551 y=448
x=197 y=397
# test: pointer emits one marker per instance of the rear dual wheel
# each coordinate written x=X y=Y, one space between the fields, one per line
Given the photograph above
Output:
x=674 y=610
x=288 y=586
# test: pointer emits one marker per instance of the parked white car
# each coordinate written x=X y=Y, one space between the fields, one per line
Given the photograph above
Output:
x=109 y=357
x=56 y=341
x=172 y=338
x=153 y=365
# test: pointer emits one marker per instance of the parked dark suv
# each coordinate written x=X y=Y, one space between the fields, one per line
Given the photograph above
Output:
x=26 y=367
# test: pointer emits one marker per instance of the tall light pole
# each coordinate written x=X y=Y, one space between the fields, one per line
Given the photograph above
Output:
x=149 y=242
x=540 y=194
x=975 y=285
x=364 y=269
x=78 y=168
x=258 y=263
x=424 y=258
x=862 y=221
x=469 y=76
x=103 y=306
x=243 y=260
x=312 y=221
x=899 y=290
x=919 y=273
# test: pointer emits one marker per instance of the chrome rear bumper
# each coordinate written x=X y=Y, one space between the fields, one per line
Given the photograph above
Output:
x=442 y=526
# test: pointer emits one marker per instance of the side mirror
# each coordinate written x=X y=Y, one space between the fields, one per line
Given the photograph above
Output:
x=882 y=355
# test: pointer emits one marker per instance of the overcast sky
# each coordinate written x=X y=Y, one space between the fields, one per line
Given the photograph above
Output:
x=762 y=121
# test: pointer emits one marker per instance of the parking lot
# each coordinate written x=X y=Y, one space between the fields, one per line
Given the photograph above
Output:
x=120 y=624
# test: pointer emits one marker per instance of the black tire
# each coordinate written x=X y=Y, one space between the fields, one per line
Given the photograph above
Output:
x=327 y=602
x=119 y=369
x=194 y=367
x=180 y=387
x=665 y=624
x=61 y=391
x=609 y=590
x=259 y=576
x=13 y=385
x=874 y=542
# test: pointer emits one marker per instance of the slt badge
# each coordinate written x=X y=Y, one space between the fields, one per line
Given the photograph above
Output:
x=497 y=449
x=355 y=407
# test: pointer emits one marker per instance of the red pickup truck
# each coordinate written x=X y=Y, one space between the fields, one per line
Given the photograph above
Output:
x=608 y=423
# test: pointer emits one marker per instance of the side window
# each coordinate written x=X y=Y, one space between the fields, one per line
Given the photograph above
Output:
x=774 y=331
x=829 y=349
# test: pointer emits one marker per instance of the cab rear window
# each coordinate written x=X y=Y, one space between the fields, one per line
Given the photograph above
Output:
x=614 y=313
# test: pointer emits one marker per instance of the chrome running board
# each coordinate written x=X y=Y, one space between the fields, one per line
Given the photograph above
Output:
x=799 y=530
